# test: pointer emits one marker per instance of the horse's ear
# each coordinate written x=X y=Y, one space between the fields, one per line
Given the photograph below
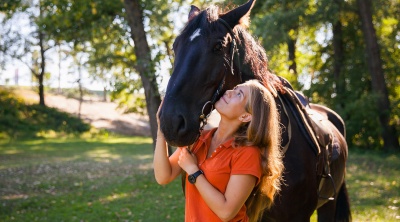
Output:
x=194 y=11
x=239 y=15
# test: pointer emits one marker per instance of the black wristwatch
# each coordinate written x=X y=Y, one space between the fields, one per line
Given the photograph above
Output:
x=192 y=177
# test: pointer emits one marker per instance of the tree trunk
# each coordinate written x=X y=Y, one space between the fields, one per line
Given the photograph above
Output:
x=338 y=62
x=59 y=69
x=80 y=88
x=42 y=69
x=104 y=94
x=377 y=76
x=144 y=66
x=292 y=56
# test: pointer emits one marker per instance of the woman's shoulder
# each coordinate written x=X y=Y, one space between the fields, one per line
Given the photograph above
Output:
x=246 y=156
x=247 y=150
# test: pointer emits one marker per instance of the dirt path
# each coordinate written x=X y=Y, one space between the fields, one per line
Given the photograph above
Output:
x=102 y=115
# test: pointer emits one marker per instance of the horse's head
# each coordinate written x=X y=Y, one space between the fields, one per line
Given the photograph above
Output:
x=206 y=64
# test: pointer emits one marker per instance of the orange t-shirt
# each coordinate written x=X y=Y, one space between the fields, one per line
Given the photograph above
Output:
x=224 y=162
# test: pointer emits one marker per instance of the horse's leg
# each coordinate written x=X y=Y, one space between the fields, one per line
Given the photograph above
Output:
x=326 y=213
x=337 y=210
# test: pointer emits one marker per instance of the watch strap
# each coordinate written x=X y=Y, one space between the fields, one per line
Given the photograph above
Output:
x=197 y=173
x=192 y=177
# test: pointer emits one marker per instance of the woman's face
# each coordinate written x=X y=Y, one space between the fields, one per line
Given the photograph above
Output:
x=232 y=103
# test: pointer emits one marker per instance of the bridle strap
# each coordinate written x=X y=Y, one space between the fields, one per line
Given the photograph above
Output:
x=233 y=50
x=219 y=89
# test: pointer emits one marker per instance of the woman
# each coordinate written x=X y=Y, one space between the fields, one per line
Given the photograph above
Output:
x=233 y=171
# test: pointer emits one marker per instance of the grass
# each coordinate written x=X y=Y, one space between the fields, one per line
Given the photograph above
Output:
x=84 y=180
x=111 y=179
x=373 y=180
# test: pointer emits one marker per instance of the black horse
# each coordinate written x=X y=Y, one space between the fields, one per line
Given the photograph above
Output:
x=214 y=53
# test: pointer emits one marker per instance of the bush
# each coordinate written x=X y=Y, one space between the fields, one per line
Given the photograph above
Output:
x=20 y=120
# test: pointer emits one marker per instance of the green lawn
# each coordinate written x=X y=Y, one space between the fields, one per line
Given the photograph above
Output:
x=112 y=179
x=84 y=180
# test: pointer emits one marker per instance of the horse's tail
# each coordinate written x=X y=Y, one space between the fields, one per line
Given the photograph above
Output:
x=343 y=212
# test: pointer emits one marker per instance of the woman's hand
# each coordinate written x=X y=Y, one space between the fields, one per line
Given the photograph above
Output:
x=188 y=161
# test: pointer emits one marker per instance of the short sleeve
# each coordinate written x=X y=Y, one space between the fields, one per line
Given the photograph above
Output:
x=247 y=161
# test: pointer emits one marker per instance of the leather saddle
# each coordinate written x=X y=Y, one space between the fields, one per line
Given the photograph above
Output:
x=315 y=126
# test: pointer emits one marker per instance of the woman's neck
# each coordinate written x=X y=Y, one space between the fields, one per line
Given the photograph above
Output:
x=224 y=132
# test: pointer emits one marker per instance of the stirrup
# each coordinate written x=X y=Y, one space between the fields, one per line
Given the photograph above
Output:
x=334 y=188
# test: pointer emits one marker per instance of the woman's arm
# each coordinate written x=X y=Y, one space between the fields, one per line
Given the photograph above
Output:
x=166 y=169
x=225 y=206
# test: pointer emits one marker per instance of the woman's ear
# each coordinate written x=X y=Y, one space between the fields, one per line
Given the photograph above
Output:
x=245 y=117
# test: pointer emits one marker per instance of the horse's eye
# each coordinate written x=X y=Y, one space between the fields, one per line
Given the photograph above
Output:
x=218 y=47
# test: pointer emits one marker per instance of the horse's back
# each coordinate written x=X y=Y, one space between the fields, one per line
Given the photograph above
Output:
x=332 y=116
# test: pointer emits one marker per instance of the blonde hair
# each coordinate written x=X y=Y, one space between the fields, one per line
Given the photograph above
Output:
x=264 y=132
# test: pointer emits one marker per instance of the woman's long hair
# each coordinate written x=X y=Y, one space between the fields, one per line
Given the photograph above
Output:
x=264 y=132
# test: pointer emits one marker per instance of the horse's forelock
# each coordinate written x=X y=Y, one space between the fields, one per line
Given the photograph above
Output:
x=205 y=20
x=212 y=13
x=200 y=21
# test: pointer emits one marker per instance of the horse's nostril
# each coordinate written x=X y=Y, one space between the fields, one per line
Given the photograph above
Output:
x=180 y=124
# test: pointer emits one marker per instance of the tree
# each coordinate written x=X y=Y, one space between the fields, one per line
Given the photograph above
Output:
x=378 y=82
x=279 y=23
x=102 y=25
x=330 y=51
x=145 y=67
x=29 y=49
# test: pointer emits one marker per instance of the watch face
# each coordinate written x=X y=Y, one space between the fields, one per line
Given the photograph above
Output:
x=191 y=179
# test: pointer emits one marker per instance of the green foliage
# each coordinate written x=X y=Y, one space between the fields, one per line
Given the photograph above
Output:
x=363 y=125
x=76 y=21
x=10 y=6
x=20 y=120
x=98 y=30
x=129 y=97
x=137 y=105
x=311 y=23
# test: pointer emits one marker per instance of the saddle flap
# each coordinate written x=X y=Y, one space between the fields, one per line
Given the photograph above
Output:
x=311 y=120
x=318 y=122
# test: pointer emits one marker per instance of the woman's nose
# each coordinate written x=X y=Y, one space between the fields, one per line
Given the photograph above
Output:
x=228 y=92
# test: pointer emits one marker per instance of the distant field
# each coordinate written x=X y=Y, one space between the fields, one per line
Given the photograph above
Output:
x=112 y=179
